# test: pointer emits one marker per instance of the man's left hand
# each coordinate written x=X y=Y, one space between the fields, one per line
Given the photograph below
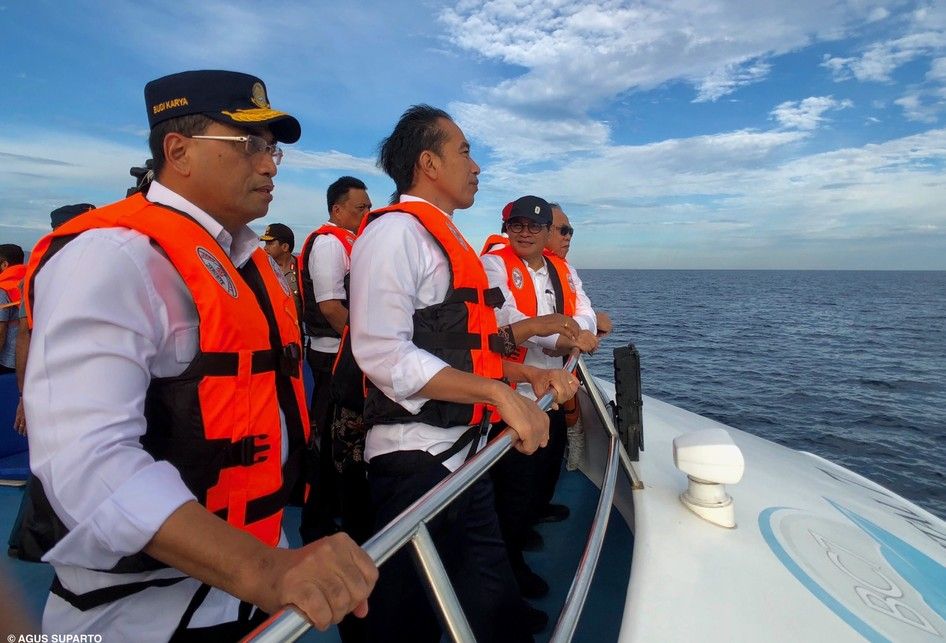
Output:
x=563 y=383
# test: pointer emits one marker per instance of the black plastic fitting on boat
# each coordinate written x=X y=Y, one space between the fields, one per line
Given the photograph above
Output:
x=629 y=404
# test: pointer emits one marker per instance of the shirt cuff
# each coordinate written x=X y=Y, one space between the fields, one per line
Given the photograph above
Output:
x=126 y=521
x=411 y=374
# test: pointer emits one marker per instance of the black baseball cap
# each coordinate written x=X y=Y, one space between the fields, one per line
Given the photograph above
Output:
x=228 y=97
x=279 y=232
x=60 y=215
x=529 y=207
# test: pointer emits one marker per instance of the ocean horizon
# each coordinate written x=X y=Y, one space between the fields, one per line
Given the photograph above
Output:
x=847 y=364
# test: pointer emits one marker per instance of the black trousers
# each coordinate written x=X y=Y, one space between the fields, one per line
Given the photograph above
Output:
x=552 y=458
x=321 y=507
x=517 y=479
x=524 y=485
x=469 y=542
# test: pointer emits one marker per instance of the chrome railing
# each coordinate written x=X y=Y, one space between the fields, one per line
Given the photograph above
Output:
x=289 y=624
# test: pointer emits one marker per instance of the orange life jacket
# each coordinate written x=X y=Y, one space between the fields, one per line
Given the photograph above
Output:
x=494 y=240
x=218 y=422
x=316 y=325
x=10 y=280
x=461 y=330
x=523 y=290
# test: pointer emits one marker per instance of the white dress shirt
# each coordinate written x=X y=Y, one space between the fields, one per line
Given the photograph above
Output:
x=545 y=304
x=328 y=265
x=110 y=314
x=396 y=268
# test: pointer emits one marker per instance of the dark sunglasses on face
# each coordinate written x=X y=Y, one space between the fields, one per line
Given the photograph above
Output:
x=565 y=230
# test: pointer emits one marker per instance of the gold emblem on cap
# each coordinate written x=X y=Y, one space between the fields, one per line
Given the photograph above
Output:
x=259 y=96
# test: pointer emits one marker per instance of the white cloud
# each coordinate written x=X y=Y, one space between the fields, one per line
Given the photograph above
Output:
x=332 y=160
x=576 y=56
x=881 y=59
x=41 y=170
x=877 y=14
x=807 y=114
x=923 y=34
x=577 y=53
x=739 y=190
x=729 y=78
x=937 y=71
x=920 y=106
x=520 y=138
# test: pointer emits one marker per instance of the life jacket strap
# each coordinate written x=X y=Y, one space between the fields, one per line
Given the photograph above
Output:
x=284 y=361
x=97 y=597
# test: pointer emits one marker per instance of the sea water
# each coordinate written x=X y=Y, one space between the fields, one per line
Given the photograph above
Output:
x=849 y=365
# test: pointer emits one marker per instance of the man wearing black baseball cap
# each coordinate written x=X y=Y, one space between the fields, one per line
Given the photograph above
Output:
x=179 y=416
x=535 y=284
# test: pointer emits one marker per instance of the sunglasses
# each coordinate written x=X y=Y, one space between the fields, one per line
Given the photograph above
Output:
x=565 y=230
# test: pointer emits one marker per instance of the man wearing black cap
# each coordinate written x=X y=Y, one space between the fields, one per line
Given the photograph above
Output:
x=278 y=241
x=166 y=427
x=534 y=283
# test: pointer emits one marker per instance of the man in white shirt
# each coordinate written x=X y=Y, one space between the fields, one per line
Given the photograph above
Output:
x=325 y=260
x=534 y=283
x=421 y=319
x=560 y=240
x=142 y=434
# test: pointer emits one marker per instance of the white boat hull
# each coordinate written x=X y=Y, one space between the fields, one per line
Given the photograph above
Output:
x=818 y=552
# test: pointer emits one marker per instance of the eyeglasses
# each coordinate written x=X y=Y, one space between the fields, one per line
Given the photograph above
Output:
x=519 y=226
x=252 y=144
x=565 y=230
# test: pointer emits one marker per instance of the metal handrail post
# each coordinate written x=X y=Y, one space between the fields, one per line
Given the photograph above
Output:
x=441 y=589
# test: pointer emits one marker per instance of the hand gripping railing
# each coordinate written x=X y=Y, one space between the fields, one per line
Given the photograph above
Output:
x=289 y=624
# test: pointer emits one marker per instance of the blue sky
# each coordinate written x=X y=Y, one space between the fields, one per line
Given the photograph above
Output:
x=676 y=133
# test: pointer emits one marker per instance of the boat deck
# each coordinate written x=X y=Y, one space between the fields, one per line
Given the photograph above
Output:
x=556 y=563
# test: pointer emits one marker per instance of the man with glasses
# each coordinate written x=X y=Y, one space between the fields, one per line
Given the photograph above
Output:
x=165 y=401
x=559 y=242
x=562 y=231
x=534 y=283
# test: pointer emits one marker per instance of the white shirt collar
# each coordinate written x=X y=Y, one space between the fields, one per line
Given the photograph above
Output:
x=411 y=197
x=238 y=249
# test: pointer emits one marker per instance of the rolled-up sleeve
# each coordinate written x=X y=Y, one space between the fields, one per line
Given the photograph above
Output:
x=97 y=325
x=393 y=267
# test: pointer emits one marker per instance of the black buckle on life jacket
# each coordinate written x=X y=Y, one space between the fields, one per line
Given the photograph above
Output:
x=290 y=360
x=248 y=451
x=496 y=344
x=494 y=298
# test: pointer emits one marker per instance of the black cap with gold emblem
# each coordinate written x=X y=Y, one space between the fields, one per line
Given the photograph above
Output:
x=225 y=96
